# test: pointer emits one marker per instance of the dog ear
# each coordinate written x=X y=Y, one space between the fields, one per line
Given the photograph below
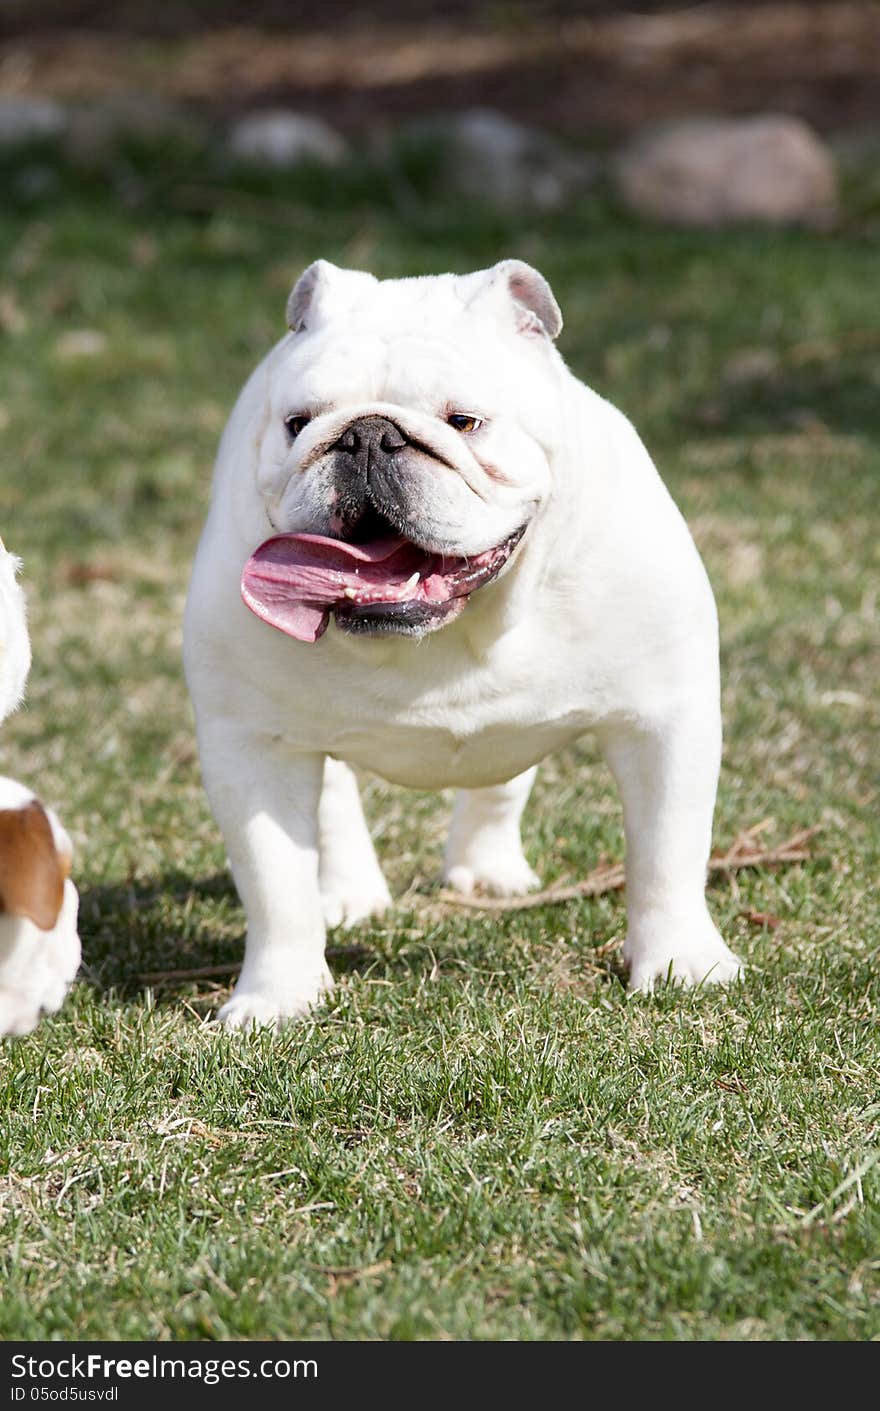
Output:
x=321 y=288
x=534 y=297
x=31 y=870
x=535 y=309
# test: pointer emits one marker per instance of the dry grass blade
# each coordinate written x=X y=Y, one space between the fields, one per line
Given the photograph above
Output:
x=610 y=877
x=607 y=877
x=232 y=967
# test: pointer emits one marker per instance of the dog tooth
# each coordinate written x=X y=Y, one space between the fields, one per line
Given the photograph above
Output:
x=411 y=582
x=350 y=592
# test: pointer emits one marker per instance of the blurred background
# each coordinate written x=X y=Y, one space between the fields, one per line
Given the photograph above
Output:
x=702 y=114
x=591 y=69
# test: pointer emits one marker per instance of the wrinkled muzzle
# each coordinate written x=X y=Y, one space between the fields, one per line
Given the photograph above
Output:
x=367 y=470
x=388 y=557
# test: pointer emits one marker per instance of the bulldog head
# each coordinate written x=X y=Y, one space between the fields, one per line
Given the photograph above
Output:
x=406 y=450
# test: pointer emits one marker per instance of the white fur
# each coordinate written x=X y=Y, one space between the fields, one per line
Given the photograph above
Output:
x=15 y=647
x=603 y=620
x=351 y=881
x=484 y=848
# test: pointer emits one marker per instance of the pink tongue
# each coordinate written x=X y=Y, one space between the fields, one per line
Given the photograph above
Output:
x=293 y=580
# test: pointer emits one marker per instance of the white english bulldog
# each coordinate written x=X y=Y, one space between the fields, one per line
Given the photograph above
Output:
x=432 y=552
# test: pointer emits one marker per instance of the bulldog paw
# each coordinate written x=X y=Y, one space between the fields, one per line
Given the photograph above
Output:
x=501 y=875
x=253 y=1006
x=703 y=960
x=348 y=900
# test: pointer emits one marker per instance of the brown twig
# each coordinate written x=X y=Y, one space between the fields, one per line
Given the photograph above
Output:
x=607 y=877
x=764 y=919
x=219 y=972
x=610 y=877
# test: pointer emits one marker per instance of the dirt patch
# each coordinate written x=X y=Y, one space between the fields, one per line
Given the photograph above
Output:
x=575 y=68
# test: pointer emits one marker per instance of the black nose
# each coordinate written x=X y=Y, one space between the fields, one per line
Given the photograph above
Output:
x=371 y=438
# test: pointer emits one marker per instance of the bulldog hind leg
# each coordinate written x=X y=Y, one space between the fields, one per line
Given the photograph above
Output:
x=352 y=885
x=484 y=849
x=667 y=774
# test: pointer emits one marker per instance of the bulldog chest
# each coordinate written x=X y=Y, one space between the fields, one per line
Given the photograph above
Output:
x=470 y=742
x=424 y=758
x=428 y=716
x=432 y=715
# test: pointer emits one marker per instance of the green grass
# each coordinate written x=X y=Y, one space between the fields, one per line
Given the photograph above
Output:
x=480 y=1136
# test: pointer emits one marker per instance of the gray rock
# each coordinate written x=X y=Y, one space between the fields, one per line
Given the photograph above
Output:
x=488 y=154
x=717 y=171
x=24 y=119
x=279 y=138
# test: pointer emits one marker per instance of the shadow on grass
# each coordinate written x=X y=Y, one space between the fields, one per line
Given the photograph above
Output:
x=183 y=939
x=138 y=935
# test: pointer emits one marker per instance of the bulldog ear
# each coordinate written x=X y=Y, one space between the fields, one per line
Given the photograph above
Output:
x=536 y=309
x=303 y=293
x=321 y=289
x=31 y=871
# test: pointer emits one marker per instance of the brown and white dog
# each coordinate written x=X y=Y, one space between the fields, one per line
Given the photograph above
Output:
x=39 y=944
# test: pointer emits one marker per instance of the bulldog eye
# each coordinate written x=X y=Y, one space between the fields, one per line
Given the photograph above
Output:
x=296 y=424
x=460 y=421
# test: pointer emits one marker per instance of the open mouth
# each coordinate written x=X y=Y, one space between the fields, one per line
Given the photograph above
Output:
x=387 y=584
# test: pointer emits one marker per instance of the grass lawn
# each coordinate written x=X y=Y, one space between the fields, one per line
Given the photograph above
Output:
x=479 y=1136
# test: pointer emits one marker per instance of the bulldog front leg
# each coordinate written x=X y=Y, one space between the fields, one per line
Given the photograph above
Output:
x=667 y=773
x=352 y=885
x=484 y=848
x=265 y=799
